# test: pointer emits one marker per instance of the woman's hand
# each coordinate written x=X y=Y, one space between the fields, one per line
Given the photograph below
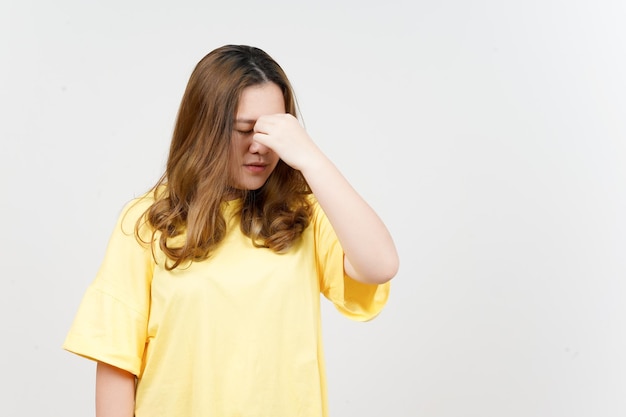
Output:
x=283 y=134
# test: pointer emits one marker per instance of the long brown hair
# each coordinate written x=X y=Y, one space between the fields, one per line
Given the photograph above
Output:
x=189 y=196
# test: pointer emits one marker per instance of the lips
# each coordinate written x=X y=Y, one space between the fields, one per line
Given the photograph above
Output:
x=255 y=167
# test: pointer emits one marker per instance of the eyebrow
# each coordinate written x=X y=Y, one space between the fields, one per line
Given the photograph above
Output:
x=250 y=121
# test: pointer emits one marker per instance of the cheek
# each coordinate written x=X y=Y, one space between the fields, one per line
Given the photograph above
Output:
x=237 y=151
x=234 y=166
x=238 y=147
x=274 y=163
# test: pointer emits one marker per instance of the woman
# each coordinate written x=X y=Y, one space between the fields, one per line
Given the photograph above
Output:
x=207 y=302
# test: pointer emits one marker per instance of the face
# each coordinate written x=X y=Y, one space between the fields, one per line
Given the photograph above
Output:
x=250 y=162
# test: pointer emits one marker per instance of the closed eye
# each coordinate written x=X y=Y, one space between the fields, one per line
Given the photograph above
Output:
x=244 y=126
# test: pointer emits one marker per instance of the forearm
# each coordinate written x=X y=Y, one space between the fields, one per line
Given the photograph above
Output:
x=370 y=253
x=115 y=392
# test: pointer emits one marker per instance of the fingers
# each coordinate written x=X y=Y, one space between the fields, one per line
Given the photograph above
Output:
x=271 y=122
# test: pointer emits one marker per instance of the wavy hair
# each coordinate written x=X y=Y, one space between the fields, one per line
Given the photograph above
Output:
x=188 y=197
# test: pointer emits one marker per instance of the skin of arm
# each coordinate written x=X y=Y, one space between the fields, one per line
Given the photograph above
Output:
x=115 y=392
x=370 y=253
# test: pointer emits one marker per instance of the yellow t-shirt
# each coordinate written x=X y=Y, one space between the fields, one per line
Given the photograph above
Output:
x=237 y=335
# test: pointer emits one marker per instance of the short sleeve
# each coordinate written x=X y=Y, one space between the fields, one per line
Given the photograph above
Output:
x=111 y=323
x=353 y=299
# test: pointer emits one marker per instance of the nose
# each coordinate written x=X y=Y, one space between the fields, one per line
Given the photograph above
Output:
x=256 y=147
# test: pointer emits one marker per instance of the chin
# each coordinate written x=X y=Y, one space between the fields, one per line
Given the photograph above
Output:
x=254 y=187
x=250 y=186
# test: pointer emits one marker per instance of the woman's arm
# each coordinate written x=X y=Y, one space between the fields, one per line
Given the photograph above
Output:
x=115 y=392
x=370 y=254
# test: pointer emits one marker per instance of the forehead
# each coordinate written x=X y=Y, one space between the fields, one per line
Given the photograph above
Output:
x=259 y=100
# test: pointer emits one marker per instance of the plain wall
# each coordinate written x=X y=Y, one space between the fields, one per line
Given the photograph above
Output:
x=489 y=135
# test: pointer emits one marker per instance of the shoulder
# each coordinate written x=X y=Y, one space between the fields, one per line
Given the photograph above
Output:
x=319 y=221
x=134 y=211
x=136 y=207
x=315 y=206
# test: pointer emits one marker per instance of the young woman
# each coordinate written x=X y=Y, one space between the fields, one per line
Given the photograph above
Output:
x=207 y=302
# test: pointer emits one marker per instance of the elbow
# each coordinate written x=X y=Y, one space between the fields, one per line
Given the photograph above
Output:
x=388 y=270
x=383 y=271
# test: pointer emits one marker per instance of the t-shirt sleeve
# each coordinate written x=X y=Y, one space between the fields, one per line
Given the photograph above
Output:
x=111 y=323
x=353 y=299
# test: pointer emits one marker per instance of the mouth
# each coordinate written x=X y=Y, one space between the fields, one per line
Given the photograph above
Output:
x=255 y=167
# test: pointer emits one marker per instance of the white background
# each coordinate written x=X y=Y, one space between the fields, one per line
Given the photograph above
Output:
x=489 y=135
